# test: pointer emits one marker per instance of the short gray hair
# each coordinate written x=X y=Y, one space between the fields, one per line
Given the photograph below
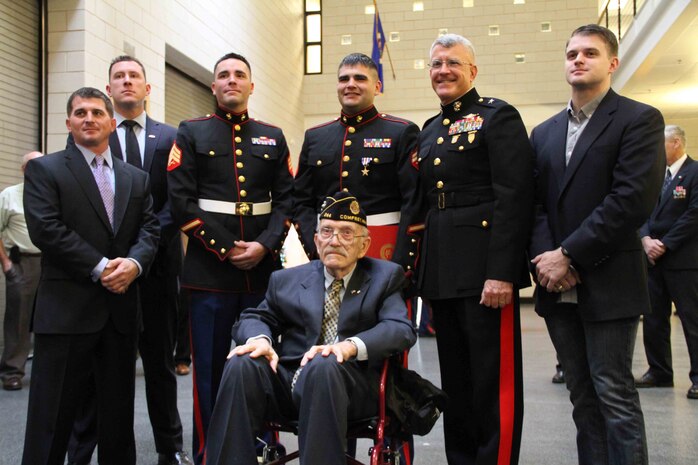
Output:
x=672 y=130
x=449 y=40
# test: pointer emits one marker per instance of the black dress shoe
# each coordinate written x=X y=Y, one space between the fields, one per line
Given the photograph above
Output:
x=178 y=458
x=12 y=384
x=693 y=392
x=648 y=380
x=559 y=377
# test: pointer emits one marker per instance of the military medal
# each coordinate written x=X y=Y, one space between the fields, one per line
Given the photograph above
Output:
x=679 y=192
x=378 y=143
x=365 y=162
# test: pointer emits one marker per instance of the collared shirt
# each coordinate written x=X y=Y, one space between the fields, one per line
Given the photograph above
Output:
x=577 y=122
x=13 y=226
x=138 y=129
x=89 y=158
x=676 y=166
x=361 y=351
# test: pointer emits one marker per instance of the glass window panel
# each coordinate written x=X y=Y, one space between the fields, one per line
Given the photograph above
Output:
x=313 y=28
x=312 y=5
x=313 y=63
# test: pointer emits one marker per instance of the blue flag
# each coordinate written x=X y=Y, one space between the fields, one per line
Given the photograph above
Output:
x=378 y=46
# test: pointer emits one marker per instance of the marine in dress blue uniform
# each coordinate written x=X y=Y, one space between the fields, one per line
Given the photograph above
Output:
x=230 y=186
x=476 y=172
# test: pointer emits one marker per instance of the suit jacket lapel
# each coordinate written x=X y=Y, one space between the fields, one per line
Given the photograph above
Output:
x=676 y=181
x=123 y=183
x=83 y=175
x=115 y=146
x=558 y=143
x=152 y=135
x=601 y=118
x=312 y=299
x=353 y=297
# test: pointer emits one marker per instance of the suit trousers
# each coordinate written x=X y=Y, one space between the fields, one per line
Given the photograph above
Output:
x=158 y=297
x=480 y=361
x=212 y=316
x=327 y=395
x=20 y=287
x=597 y=357
x=667 y=286
x=61 y=367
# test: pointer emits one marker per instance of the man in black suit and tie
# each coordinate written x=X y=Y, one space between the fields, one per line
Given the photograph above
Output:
x=91 y=215
x=670 y=240
x=145 y=143
x=337 y=319
x=598 y=168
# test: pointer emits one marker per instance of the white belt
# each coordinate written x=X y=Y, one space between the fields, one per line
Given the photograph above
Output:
x=383 y=219
x=235 y=208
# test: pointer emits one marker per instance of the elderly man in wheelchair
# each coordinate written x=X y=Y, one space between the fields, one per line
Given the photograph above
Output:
x=313 y=350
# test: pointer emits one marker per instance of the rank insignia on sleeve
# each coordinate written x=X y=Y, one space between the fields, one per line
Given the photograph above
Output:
x=263 y=141
x=680 y=192
x=175 y=158
x=415 y=159
x=378 y=143
x=469 y=123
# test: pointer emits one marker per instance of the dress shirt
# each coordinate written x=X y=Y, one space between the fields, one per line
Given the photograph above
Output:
x=138 y=129
x=676 y=166
x=109 y=163
x=13 y=226
x=577 y=122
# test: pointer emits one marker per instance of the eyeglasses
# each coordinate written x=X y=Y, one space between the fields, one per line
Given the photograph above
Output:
x=345 y=235
x=450 y=64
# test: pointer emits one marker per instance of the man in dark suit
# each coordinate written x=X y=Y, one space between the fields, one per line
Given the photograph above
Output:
x=337 y=319
x=670 y=240
x=91 y=215
x=598 y=167
x=145 y=143
x=475 y=169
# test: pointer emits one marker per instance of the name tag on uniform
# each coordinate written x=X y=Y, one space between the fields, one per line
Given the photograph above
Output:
x=378 y=143
x=263 y=141
x=469 y=123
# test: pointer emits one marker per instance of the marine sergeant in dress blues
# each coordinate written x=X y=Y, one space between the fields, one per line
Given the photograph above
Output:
x=230 y=186
x=371 y=154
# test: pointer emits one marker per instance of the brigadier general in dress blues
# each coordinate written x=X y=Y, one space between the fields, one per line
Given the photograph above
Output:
x=230 y=187
x=371 y=154
x=475 y=165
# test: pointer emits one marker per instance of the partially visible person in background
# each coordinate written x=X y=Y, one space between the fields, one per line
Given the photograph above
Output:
x=21 y=264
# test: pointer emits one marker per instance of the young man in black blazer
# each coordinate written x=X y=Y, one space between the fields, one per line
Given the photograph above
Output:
x=598 y=166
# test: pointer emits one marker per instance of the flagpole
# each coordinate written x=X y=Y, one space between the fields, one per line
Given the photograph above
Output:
x=390 y=60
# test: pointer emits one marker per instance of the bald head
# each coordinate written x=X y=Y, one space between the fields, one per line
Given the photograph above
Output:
x=30 y=156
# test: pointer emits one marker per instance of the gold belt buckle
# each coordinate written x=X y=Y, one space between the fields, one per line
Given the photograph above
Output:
x=243 y=208
x=441 y=200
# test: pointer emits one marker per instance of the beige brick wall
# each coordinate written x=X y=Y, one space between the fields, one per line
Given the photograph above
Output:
x=537 y=88
x=84 y=35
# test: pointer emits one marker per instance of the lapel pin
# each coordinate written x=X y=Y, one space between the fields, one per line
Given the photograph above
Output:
x=356 y=291
x=152 y=136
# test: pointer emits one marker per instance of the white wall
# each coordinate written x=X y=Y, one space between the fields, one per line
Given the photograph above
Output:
x=84 y=35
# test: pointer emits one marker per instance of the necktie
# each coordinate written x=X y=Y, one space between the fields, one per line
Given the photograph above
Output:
x=330 y=315
x=133 y=152
x=667 y=180
x=330 y=318
x=99 y=171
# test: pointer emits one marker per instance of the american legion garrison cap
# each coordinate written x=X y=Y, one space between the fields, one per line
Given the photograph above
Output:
x=343 y=206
